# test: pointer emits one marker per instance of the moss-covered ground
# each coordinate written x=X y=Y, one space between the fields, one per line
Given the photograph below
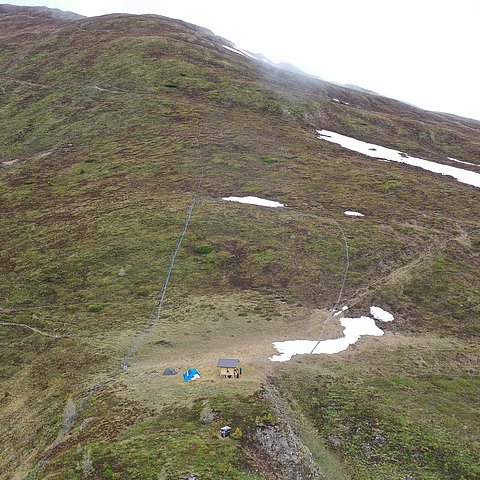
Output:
x=109 y=120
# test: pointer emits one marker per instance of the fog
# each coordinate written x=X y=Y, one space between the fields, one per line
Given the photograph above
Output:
x=422 y=52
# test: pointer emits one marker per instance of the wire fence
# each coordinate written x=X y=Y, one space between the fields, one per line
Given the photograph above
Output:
x=153 y=319
x=72 y=414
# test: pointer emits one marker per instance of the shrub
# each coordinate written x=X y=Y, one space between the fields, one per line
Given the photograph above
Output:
x=203 y=249
x=237 y=434
x=95 y=307
x=266 y=418
x=269 y=160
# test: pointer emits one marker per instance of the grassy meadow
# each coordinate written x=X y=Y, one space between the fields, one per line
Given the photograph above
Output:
x=104 y=126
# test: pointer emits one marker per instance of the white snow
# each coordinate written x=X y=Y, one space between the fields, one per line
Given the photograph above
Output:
x=341 y=311
x=353 y=214
x=246 y=53
x=380 y=314
x=290 y=348
x=254 y=201
x=353 y=329
x=240 y=51
x=234 y=50
x=384 y=153
x=460 y=161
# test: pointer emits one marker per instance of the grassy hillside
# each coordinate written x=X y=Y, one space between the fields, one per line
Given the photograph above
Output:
x=106 y=125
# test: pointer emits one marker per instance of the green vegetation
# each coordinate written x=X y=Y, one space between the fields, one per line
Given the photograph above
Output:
x=204 y=249
x=269 y=160
x=398 y=418
x=107 y=125
x=175 y=442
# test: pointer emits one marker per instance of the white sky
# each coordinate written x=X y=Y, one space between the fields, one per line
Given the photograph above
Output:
x=423 y=52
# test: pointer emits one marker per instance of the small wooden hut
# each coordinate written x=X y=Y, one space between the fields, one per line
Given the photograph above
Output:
x=229 y=368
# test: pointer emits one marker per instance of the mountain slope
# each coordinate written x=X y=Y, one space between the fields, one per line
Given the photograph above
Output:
x=110 y=127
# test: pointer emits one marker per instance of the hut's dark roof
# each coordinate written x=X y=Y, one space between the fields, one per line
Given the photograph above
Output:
x=227 y=362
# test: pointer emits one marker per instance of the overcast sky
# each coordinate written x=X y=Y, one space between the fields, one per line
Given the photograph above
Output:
x=424 y=52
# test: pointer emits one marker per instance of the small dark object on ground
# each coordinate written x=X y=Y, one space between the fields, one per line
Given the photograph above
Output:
x=170 y=371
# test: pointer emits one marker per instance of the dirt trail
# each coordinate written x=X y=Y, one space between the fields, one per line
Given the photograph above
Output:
x=403 y=273
x=36 y=330
x=38 y=156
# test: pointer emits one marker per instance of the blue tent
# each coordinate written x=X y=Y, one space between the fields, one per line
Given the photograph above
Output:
x=191 y=374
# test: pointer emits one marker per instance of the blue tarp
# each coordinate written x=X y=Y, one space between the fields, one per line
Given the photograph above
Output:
x=191 y=374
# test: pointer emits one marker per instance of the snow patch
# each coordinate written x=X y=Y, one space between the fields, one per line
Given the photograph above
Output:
x=380 y=314
x=254 y=201
x=353 y=329
x=460 y=161
x=240 y=51
x=233 y=50
x=383 y=153
x=353 y=214
x=246 y=53
x=341 y=311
